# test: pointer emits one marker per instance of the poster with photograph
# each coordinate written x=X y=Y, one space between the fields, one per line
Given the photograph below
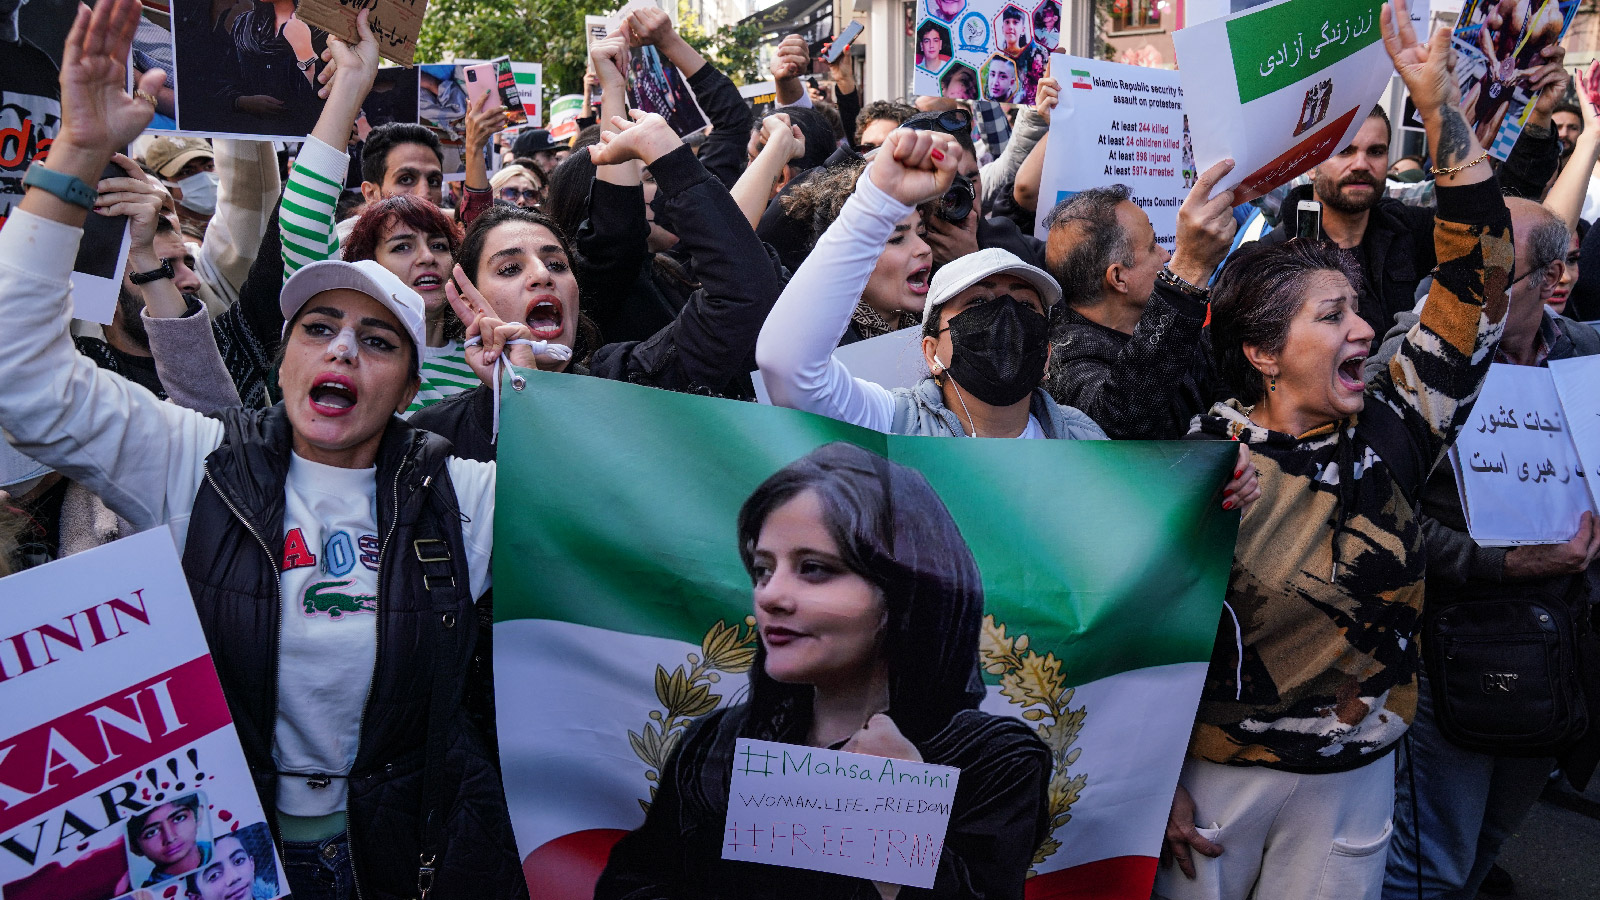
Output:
x=442 y=107
x=984 y=49
x=245 y=68
x=120 y=772
x=1498 y=44
x=1119 y=124
x=30 y=117
x=656 y=86
x=1280 y=88
x=564 y=113
x=1088 y=615
x=528 y=78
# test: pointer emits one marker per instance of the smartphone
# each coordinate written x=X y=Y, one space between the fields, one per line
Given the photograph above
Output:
x=1308 y=220
x=841 y=41
x=480 y=80
x=510 y=94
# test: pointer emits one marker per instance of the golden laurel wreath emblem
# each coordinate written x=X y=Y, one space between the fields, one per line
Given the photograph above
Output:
x=1027 y=679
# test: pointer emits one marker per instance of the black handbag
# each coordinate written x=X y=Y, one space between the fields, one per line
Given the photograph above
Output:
x=1506 y=670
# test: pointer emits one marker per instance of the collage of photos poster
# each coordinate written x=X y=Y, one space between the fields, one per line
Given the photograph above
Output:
x=985 y=49
x=1499 y=45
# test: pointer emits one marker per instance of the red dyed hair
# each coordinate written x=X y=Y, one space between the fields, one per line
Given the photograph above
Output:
x=415 y=212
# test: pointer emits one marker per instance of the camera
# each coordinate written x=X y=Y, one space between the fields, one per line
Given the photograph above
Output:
x=956 y=204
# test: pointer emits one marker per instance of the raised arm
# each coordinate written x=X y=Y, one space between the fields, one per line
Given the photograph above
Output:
x=781 y=144
x=485 y=117
x=143 y=457
x=795 y=350
x=1566 y=195
x=247 y=189
x=305 y=217
x=1435 y=377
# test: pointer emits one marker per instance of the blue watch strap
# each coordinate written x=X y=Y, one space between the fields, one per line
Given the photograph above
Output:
x=70 y=188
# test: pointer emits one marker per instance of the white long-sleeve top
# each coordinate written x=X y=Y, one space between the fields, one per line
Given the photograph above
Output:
x=795 y=350
x=143 y=457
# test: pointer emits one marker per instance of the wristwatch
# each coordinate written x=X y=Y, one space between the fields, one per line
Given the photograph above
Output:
x=306 y=66
x=154 y=274
x=70 y=188
x=1170 y=278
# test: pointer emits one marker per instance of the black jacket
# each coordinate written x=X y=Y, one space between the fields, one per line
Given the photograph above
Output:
x=1396 y=251
x=724 y=152
x=1143 y=386
x=426 y=639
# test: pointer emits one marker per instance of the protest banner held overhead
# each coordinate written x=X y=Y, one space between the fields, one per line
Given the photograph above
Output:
x=1498 y=46
x=1516 y=464
x=1118 y=124
x=621 y=620
x=395 y=23
x=120 y=773
x=1281 y=87
x=984 y=49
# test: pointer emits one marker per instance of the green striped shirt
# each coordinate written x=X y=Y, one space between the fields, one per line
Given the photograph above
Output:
x=305 y=215
x=445 y=373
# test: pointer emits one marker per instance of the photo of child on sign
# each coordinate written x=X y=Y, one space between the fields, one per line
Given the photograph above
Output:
x=990 y=49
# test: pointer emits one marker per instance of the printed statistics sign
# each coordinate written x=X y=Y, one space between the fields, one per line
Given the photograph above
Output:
x=984 y=49
x=120 y=773
x=1119 y=124
x=621 y=619
x=832 y=811
x=1281 y=87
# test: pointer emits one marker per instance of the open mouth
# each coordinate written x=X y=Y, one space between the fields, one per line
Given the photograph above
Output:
x=428 y=282
x=332 y=395
x=918 y=282
x=544 y=320
x=1350 y=377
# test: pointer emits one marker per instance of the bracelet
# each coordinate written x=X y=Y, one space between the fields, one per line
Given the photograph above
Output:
x=1170 y=279
x=1433 y=170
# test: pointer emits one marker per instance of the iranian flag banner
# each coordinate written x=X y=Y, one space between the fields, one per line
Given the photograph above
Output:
x=623 y=611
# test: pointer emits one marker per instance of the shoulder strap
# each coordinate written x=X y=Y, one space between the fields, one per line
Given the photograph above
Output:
x=437 y=564
x=1380 y=426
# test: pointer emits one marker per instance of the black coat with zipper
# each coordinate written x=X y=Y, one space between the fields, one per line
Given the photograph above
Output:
x=232 y=565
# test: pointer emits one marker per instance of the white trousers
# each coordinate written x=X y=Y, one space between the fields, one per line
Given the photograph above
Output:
x=1286 y=836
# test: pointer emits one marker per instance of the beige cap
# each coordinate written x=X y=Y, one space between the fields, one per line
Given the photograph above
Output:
x=168 y=155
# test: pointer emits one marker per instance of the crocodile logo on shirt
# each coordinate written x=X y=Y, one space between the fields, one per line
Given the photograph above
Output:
x=326 y=597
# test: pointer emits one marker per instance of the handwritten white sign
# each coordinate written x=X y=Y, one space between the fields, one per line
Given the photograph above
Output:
x=1575 y=381
x=832 y=811
x=1519 y=474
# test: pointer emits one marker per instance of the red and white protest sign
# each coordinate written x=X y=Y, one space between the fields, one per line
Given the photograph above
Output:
x=120 y=772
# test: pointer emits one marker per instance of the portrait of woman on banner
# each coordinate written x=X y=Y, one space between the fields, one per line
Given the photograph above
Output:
x=868 y=603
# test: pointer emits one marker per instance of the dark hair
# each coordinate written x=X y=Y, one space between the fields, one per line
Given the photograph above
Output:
x=589 y=135
x=472 y=246
x=1377 y=112
x=1081 y=269
x=894 y=531
x=1011 y=12
x=375 y=151
x=880 y=111
x=256 y=841
x=137 y=821
x=1571 y=109
x=835 y=124
x=1256 y=297
x=567 y=197
x=1049 y=6
x=820 y=140
x=350 y=200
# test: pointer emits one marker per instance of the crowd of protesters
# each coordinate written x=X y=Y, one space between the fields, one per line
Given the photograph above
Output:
x=313 y=350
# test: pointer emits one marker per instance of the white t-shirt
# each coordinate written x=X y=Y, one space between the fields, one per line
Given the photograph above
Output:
x=1033 y=431
x=329 y=639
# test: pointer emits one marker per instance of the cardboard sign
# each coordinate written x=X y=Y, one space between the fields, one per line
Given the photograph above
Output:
x=984 y=49
x=119 y=767
x=1281 y=87
x=1119 y=124
x=1516 y=465
x=1497 y=46
x=832 y=811
x=395 y=23
x=1575 y=381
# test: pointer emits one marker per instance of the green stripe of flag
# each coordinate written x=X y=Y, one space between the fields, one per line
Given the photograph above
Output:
x=1278 y=45
x=638 y=499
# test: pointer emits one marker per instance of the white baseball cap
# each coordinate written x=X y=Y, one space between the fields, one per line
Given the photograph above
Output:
x=964 y=272
x=367 y=276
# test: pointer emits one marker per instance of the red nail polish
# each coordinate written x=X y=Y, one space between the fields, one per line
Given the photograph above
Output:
x=1227 y=504
x=1237 y=472
x=937 y=154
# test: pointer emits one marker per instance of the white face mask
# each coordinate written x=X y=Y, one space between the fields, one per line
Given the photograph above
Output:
x=199 y=193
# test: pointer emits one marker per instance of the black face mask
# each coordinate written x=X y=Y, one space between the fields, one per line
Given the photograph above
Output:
x=1000 y=350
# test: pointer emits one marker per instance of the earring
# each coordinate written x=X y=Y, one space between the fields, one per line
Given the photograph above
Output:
x=1274 y=383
